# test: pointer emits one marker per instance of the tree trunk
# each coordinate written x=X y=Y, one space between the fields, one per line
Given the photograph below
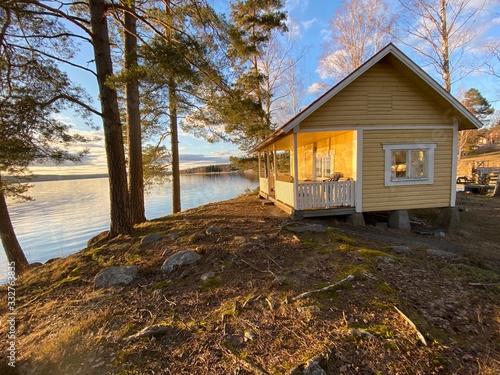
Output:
x=10 y=243
x=174 y=139
x=113 y=136
x=134 y=136
x=445 y=48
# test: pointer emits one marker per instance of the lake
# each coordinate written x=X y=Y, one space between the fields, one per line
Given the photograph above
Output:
x=67 y=213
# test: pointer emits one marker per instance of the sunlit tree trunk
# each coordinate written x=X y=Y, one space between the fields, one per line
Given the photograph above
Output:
x=113 y=135
x=174 y=147
x=10 y=243
x=134 y=134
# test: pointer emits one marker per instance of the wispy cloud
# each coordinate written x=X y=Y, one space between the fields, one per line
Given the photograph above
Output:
x=296 y=5
x=309 y=23
x=317 y=88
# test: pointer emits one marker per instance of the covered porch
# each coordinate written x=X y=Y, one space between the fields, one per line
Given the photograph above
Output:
x=310 y=174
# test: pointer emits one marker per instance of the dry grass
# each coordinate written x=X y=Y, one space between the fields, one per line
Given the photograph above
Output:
x=245 y=321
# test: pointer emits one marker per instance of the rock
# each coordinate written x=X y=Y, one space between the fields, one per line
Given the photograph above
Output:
x=316 y=228
x=150 y=238
x=207 y=276
x=238 y=240
x=384 y=259
x=118 y=275
x=195 y=237
x=249 y=335
x=212 y=230
x=313 y=367
x=439 y=234
x=166 y=252
x=442 y=254
x=181 y=258
x=402 y=249
x=252 y=246
x=174 y=236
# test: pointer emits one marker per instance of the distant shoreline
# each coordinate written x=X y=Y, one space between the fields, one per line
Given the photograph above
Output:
x=54 y=177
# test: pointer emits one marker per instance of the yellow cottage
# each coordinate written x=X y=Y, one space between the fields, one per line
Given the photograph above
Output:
x=383 y=139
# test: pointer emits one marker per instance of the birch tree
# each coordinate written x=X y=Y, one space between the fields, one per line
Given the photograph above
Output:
x=359 y=28
x=281 y=64
x=442 y=33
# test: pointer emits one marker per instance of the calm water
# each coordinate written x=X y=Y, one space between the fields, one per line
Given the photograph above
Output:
x=66 y=214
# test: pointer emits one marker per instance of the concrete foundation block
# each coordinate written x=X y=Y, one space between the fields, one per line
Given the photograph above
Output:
x=357 y=219
x=448 y=219
x=399 y=220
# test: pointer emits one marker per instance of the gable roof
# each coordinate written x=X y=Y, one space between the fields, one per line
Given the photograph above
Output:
x=470 y=121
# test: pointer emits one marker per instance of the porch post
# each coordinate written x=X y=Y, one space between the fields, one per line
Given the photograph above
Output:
x=275 y=162
x=268 y=169
x=295 y=171
x=454 y=164
x=358 y=169
x=259 y=162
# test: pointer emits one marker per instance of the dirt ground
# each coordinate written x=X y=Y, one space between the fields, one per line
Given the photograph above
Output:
x=392 y=302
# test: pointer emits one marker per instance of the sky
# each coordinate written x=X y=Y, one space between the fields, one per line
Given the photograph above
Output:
x=312 y=18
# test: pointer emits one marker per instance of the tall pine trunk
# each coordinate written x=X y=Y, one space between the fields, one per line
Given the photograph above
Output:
x=174 y=140
x=10 y=243
x=113 y=136
x=134 y=133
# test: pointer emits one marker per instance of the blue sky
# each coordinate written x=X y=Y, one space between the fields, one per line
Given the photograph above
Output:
x=312 y=16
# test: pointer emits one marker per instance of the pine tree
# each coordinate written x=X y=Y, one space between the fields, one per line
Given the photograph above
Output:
x=251 y=27
x=32 y=90
x=477 y=104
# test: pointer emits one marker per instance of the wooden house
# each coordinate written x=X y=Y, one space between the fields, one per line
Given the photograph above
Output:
x=383 y=139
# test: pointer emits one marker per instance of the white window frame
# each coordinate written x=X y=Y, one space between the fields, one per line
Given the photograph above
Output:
x=428 y=148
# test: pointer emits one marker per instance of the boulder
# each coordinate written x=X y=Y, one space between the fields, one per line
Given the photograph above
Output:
x=207 y=276
x=174 y=236
x=212 y=230
x=117 y=275
x=150 y=238
x=442 y=254
x=179 y=259
x=195 y=237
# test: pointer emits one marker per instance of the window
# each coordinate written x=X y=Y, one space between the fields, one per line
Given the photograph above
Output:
x=323 y=167
x=409 y=163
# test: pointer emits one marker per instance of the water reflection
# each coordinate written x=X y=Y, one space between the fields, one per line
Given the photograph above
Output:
x=67 y=213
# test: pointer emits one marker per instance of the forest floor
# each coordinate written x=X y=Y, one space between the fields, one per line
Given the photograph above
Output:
x=393 y=302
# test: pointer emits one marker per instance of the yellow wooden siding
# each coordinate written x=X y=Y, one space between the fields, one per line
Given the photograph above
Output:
x=378 y=197
x=381 y=96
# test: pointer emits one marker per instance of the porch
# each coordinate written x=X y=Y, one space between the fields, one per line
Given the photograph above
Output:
x=311 y=173
x=312 y=198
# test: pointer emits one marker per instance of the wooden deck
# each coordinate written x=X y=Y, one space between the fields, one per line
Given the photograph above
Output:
x=300 y=214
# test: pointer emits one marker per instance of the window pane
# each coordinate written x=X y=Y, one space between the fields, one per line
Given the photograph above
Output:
x=328 y=167
x=319 y=163
x=398 y=168
x=417 y=164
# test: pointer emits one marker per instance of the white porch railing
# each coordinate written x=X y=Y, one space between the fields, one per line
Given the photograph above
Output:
x=264 y=185
x=284 y=192
x=328 y=194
